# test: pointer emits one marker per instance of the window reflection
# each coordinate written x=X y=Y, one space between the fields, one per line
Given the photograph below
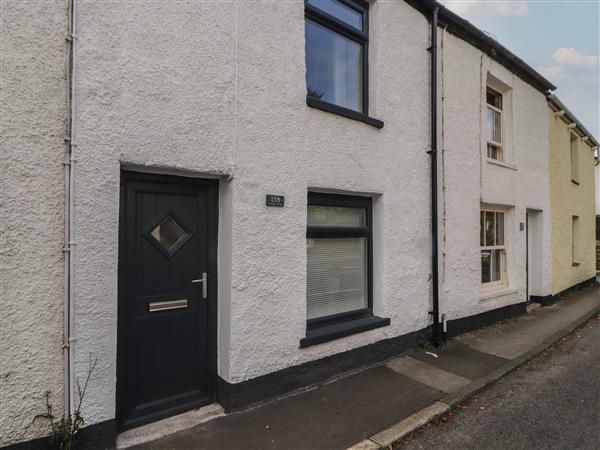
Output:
x=333 y=67
x=340 y=11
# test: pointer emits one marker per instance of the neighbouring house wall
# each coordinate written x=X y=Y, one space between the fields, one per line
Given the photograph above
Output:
x=568 y=200
x=218 y=88
x=33 y=104
x=470 y=180
x=597 y=177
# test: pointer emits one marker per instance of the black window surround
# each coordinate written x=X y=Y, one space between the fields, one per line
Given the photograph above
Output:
x=335 y=326
x=313 y=13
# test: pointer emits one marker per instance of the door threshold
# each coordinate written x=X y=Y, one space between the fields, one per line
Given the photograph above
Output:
x=170 y=425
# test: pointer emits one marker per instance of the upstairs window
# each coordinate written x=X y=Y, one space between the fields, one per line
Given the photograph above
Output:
x=574 y=158
x=493 y=249
x=336 y=52
x=495 y=148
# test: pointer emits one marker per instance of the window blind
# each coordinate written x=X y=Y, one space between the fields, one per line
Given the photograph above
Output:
x=336 y=275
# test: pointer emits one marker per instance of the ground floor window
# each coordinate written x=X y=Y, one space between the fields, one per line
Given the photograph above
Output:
x=339 y=255
x=493 y=249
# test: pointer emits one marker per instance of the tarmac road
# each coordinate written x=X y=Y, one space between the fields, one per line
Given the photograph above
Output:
x=552 y=402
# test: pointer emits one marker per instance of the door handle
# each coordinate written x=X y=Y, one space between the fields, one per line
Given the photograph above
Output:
x=204 y=281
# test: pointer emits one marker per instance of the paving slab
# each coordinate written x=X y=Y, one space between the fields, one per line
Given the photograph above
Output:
x=512 y=339
x=333 y=416
x=427 y=374
x=460 y=359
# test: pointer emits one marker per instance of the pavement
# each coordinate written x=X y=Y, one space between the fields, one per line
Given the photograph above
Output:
x=550 y=402
x=378 y=406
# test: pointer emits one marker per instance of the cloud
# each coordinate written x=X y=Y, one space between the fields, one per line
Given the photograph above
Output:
x=573 y=65
x=572 y=57
x=472 y=8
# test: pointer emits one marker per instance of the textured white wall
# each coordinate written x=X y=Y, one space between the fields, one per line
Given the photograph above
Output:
x=157 y=88
x=32 y=130
x=469 y=180
x=214 y=88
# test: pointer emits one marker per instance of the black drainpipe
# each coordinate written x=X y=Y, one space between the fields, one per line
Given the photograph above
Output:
x=435 y=335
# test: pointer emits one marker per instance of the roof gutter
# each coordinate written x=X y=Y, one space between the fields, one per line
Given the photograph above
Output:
x=468 y=32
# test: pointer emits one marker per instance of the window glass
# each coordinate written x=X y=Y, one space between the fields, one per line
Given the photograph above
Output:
x=494 y=98
x=494 y=152
x=334 y=67
x=496 y=265
x=492 y=252
x=486 y=266
x=168 y=233
x=336 y=216
x=481 y=229
x=497 y=127
x=336 y=278
x=494 y=125
x=499 y=234
x=340 y=11
x=489 y=229
x=490 y=124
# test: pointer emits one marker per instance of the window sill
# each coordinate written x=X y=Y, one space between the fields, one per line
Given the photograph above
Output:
x=345 y=112
x=574 y=182
x=501 y=164
x=339 y=330
x=500 y=291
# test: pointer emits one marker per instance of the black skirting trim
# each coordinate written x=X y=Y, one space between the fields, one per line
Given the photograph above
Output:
x=235 y=396
x=464 y=324
x=548 y=300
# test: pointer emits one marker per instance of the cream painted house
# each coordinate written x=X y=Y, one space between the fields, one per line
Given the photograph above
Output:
x=597 y=176
x=572 y=186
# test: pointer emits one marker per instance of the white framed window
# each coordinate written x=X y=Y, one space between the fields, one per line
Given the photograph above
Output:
x=493 y=248
x=495 y=145
x=574 y=148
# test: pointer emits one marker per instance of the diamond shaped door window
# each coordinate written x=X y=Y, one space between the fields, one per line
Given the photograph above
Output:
x=168 y=235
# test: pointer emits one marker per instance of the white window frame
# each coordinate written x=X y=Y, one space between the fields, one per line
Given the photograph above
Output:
x=499 y=145
x=503 y=281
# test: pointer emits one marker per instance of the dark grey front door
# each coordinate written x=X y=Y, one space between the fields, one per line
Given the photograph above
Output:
x=167 y=297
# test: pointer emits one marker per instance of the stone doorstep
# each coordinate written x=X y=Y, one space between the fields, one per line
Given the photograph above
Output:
x=170 y=425
x=384 y=439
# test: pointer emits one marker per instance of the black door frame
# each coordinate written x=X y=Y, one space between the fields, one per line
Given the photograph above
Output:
x=212 y=227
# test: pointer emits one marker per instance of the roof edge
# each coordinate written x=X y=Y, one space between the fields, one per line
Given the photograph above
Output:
x=468 y=32
x=557 y=105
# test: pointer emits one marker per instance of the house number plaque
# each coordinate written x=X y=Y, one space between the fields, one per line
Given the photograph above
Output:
x=275 y=200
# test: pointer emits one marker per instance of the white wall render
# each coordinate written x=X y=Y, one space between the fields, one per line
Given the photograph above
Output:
x=218 y=88
x=471 y=180
x=33 y=130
